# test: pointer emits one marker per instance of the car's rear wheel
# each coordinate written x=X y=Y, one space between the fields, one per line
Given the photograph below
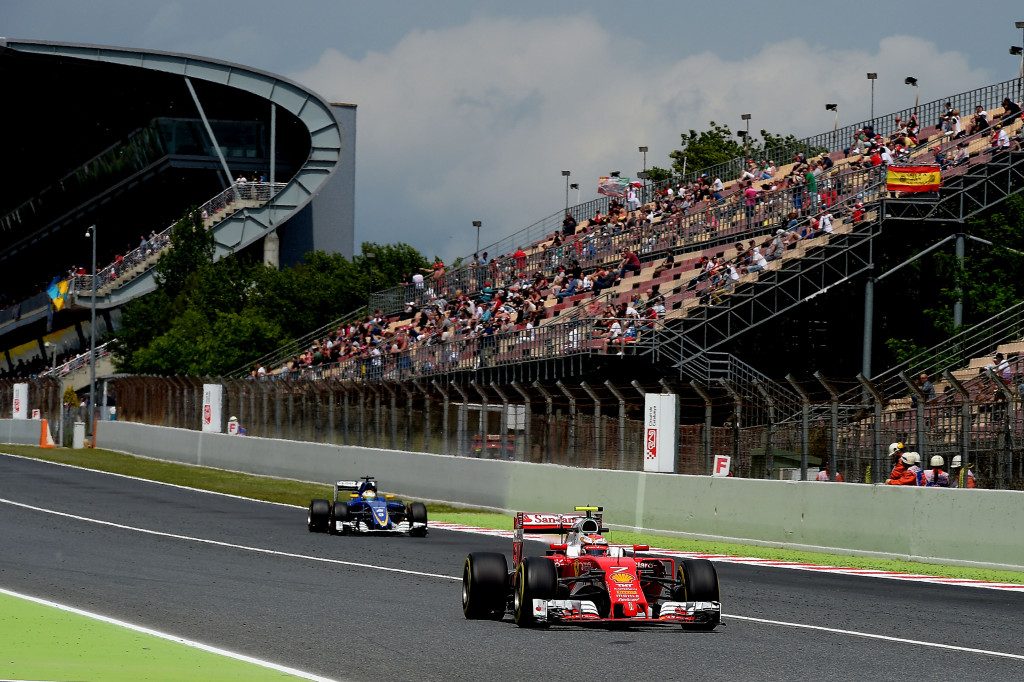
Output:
x=319 y=514
x=339 y=515
x=484 y=586
x=698 y=581
x=417 y=513
x=536 y=578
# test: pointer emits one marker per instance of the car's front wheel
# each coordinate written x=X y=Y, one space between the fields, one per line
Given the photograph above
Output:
x=698 y=581
x=484 y=586
x=339 y=517
x=417 y=513
x=318 y=516
x=536 y=578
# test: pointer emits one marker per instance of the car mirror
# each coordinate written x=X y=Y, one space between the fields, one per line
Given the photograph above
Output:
x=641 y=548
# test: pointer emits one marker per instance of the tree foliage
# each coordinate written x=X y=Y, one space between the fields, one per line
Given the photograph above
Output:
x=718 y=144
x=988 y=282
x=210 y=318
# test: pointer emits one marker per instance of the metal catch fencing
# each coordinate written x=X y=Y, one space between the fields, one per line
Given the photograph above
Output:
x=599 y=425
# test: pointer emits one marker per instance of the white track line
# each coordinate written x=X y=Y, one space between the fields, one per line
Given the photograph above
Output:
x=172 y=638
x=271 y=552
x=721 y=558
x=887 y=638
x=230 y=545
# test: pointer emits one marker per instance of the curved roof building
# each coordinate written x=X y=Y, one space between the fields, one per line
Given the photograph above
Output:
x=128 y=139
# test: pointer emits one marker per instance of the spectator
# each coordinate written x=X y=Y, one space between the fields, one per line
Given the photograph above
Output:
x=959 y=476
x=980 y=122
x=520 y=259
x=1011 y=111
x=1000 y=140
x=749 y=202
x=717 y=189
x=758 y=261
x=630 y=263
x=935 y=477
x=926 y=387
x=823 y=474
x=568 y=225
x=962 y=154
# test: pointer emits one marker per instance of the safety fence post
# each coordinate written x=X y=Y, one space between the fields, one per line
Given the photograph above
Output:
x=622 y=423
x=426 y=413
x=461 y=424
x=769 y=453
x=965 y=419
x=445 y=404
x=1005 y=457
x=737 y=411
x=502 y=420
x=482 y=421
x=549 y=412
x=921 y=446
x=598 y=424
x=833 y=437
x=805 y=418
x=878 y=468
x=707 y=423
x=572 y=421
x=524 y=451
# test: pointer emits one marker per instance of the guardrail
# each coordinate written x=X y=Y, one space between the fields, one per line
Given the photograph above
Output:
x=79 y=361
x=213 y=210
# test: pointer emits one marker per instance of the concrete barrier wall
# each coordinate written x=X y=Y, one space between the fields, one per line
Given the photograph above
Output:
x=19 y=431
x=949 y=526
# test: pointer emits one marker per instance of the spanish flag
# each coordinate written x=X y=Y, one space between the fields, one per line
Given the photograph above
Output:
x=913 y=179
x=58 y=292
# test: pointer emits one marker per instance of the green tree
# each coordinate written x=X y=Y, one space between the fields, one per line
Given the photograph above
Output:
x=705 y=148
x=191 y=250
x=717 y=145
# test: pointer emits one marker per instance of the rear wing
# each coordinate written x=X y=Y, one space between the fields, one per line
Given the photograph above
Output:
x=346 y=485
x=537 y=523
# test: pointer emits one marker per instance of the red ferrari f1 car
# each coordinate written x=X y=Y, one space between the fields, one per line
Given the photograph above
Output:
x=584 y=580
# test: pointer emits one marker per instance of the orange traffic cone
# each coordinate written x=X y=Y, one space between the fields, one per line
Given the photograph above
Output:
x=45 y=438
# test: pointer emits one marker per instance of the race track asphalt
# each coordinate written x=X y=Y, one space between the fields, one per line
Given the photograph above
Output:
x=352 y=622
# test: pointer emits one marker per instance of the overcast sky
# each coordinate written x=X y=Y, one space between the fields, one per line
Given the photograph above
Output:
x=470 y=110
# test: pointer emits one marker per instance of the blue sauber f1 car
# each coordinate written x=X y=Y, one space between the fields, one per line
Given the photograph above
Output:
x=357 y=507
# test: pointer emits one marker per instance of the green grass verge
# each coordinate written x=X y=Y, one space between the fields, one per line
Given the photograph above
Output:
x=46 y=643
x=299 y=493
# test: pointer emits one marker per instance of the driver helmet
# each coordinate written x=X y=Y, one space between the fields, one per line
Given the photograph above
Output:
x=593 y=544
x=369 y=494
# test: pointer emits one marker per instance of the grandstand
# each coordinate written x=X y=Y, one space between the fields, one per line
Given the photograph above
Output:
x=543 y=351
x=673 y=323
x=151 y=135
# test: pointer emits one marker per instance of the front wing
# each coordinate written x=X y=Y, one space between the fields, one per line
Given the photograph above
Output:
x=584 y=612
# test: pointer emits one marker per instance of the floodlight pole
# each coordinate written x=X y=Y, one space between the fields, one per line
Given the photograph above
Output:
x=92 y=343
x=872 y=76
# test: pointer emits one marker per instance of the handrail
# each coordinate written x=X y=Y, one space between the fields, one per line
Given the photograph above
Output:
x=261 y=192
x=78 y=362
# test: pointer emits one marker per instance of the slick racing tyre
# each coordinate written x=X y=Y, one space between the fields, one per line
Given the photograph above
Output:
x=417 y=513
x=319 y=514
x=536 y=578
x=484 y=586
x=339 y=514
x=698 y=581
